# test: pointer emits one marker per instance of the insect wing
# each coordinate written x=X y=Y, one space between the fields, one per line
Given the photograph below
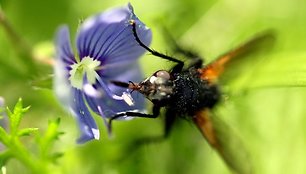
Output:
x=212 y=71
x=224 y=140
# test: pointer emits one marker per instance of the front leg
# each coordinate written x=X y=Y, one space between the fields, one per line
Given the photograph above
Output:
x=156 y=111
x=178 y=67
x=196 y=59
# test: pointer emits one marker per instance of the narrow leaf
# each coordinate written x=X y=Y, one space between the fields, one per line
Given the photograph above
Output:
x=27 y=131
x=4 y=137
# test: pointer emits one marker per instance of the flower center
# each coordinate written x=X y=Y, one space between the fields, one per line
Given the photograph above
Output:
x=88 y=67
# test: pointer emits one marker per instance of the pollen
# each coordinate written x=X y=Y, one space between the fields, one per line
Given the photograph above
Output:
x=86 y=68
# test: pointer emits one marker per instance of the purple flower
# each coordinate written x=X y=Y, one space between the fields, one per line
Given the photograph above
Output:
x=106 y=50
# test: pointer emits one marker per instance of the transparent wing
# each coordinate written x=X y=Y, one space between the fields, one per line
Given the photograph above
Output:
x=224 y=140
x=261 y=41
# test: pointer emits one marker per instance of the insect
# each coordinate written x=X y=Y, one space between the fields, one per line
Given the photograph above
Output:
x=191 y=92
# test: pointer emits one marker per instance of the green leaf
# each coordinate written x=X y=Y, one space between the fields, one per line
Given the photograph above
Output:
x=52 y=131
x=4 y=157
x=27 y=131
x=16 y=116
x=46 y=140
x=4 y=137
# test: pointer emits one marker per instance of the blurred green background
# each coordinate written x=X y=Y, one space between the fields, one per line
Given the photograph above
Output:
x=264 y=101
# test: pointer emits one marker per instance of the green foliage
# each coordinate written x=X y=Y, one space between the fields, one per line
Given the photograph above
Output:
x=14 y=147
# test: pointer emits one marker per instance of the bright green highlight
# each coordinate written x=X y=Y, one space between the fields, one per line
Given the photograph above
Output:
x=88 y=67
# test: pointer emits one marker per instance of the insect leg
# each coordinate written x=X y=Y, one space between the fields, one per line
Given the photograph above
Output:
x=169 y=122
x=156 y=111
x=196 y=60
x=180 y=64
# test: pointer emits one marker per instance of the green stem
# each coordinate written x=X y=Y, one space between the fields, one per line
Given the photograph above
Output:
x=20 y=152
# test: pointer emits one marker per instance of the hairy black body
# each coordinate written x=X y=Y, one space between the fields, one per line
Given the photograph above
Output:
x=192 y=94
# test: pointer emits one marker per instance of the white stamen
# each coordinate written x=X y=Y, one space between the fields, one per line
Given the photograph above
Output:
x=116 y=97
x=128 y=99
x=91 y=91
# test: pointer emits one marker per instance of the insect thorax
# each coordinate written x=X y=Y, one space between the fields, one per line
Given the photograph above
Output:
x=192 y=94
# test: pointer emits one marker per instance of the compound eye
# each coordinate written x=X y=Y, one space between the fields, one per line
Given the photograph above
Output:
x=163 y=74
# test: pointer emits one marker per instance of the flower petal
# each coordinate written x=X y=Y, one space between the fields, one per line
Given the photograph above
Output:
x=63 y=46
x=64 y=59
x=108 y=105
x=133 y=74
x=72 y=99
x=61 y=85
x=109 y=37
x=86 y=122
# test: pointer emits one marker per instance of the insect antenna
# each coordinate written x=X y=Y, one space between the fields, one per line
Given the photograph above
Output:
x=120 y=84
